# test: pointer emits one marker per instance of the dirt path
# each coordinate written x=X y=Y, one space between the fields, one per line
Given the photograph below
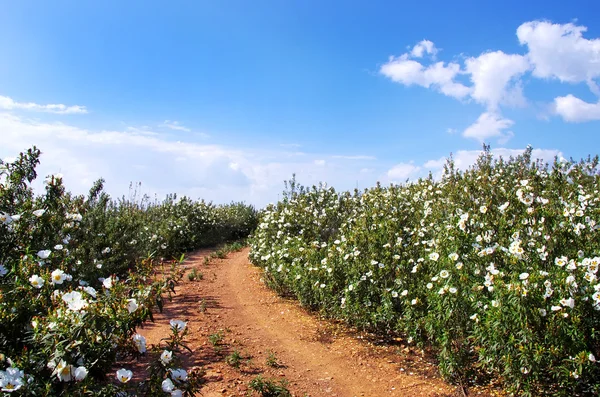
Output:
x=315 y=357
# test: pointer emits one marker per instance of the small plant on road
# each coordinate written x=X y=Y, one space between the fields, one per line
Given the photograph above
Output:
x=269 y=388
x=234 y=359
x=195 y=275
x=216 y=338
x=272 y=360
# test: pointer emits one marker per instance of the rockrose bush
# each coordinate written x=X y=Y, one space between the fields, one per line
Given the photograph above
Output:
x=495 y=268
x=78 y=277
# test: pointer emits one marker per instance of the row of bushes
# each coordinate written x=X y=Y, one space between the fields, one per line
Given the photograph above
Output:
x=77 y=277
x=495 y=268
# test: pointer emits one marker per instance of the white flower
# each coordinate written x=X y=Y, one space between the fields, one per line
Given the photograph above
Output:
x=74 y=301
x=107 y=283
x=459 y=265
x=140 y=342
x=570 y=302
x=556 y=308
x=74 y=217
x=132 y=305
x=36 y=281
x=483 y=209
x=394 y=294
x=64 y=372
x=176 y=393
x=58 y=277
x=434 y=256
x=404 y=293
x=453 y=256
x=11 y=379
x=592 y=358
x=80 y=373
x=166 y=356
x=106 y=250
x=3 y=270
x=453 y=290
x=178 y=325
x=179 y=374
x=524 y=276
x=542 y=312
x=39 y=213
x=58 y=247
x=561 y=261
x=444 y=274
x=90 y=291
x=167 y=385
x=5 y=218
x=429 y=286
x=44 y=254
x=124 y=375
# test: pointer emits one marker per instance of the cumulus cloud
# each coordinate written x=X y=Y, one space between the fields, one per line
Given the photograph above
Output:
x=438 y=76
x=402 y=171
x=424 y=47
x=573 y=109
x=7 y=103
x=560 y=51
x=490 y=125
x=553 y=51
x=495 y=76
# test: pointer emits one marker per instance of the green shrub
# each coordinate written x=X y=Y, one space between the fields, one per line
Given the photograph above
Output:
x=78 y=276
x=494 y=268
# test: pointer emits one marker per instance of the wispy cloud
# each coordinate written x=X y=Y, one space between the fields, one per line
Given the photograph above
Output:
x=290 y=145
x=175 y=125
x=357 y=157
x=210 y=171
x=7 y=103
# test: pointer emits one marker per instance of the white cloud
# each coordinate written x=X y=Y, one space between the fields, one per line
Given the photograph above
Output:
x=402 y=171
x=210 y=171
x=175 y=125
x=451 y=130
x=573 y=109
x=7 y=103
x=357 y=157
x=495 y=78
x=424 y=47
x=561 y=52
x=438 y=76
x=490 y=125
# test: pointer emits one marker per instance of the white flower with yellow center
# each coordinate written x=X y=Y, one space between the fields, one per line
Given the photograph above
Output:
x=124 y=375
x=36 y=281
x=58 y=276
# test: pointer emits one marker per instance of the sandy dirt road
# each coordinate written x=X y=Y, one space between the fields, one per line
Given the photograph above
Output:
x=314 y=356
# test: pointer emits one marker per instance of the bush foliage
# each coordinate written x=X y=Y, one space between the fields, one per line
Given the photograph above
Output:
x=78 y=276
x=493 y=268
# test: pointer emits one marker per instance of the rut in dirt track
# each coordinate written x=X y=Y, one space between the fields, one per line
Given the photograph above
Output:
x=316 y=357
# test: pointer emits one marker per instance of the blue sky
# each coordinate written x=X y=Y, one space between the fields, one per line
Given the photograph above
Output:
x=226 y=99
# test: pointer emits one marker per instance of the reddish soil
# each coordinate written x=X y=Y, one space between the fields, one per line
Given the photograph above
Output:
x=316 y=357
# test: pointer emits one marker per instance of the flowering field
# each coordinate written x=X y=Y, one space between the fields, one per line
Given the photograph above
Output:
x=78 y=276
x=493 y=269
